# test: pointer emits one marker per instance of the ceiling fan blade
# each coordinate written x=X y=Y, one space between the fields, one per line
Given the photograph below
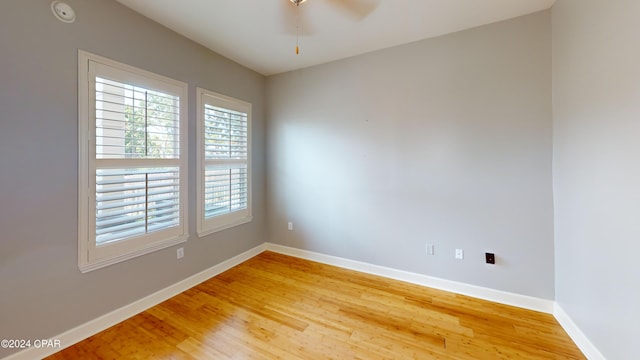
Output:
x=295 y=17
x=358 y=9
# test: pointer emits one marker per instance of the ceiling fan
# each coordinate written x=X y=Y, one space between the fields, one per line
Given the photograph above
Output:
x=355 y=9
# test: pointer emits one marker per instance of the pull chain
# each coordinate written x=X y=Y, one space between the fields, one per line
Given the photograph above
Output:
x=297 y=27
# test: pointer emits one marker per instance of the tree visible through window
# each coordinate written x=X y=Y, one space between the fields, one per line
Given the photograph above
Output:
x=225 y=137
x=135 y=123
x=135 y=173
x=224 y=159
x=160 y=136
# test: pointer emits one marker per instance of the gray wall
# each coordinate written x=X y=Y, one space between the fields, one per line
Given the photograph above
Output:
x=42 y=291
x=444 y=141
x=596 y=105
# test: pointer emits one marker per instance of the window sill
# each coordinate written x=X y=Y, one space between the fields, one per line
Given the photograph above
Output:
x=98 y=264
x=209 y=231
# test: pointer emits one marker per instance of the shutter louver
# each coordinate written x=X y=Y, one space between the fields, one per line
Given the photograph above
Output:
x=225 y=190
x=131 y=202
x=134 y=124
x=225 y=152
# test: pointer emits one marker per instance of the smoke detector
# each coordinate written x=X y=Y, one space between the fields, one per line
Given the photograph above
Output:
x=63 y=11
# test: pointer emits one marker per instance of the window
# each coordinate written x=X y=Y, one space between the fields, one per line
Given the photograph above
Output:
x=132 y=163
x=224 y=166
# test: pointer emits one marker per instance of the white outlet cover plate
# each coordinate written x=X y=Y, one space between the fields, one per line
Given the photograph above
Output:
x=459 y=254
x=430 y=249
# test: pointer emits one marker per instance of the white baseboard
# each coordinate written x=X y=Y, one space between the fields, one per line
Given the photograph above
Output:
x=588 y=349
x=104 y=322
x=92 y=327
x=503 y=297
x=522 y=301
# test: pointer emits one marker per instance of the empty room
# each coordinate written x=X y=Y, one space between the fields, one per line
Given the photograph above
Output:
x=319 y=179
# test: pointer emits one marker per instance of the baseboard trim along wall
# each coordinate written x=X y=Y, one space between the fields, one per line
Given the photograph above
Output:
x=588 y=349
x=522 y=301
x=79 y=333
x=101 y=323
x=503 y=297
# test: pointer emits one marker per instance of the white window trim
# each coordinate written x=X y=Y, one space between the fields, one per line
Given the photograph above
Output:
x=124 y=250
x=209 y=226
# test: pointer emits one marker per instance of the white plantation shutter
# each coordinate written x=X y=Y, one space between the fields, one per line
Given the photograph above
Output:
x=135 y=201
x=225 y=133
x=134 y=122
x=135 y=127
x=224 y=194
x=225 y=189
x=225 y=149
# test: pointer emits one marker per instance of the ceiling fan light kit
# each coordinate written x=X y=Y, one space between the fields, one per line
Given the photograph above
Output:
x=356 y=9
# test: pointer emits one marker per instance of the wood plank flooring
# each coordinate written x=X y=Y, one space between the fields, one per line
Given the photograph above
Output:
x=279 y=307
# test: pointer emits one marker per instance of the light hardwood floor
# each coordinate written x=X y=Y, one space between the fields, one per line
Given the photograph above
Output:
x=275 y=306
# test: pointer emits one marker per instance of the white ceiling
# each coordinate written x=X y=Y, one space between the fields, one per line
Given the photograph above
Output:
x=258 y=34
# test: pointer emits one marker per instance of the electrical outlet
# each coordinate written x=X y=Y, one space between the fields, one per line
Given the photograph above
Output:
x=430 y=249
x=180 y=253
x=459 y=254
x=290 y=226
